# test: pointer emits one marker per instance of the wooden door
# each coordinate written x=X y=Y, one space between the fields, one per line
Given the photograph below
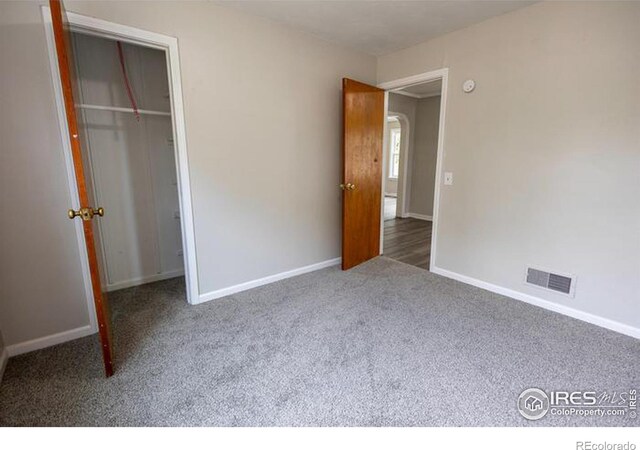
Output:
x=87 y=213
x=363 y=124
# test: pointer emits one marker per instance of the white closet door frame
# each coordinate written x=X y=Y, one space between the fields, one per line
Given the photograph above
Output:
x=169 y=44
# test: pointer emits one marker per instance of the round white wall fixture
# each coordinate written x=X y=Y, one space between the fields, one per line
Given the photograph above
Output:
x=469 y=86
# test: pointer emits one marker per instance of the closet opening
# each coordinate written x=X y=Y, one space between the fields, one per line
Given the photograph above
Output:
x=126 y=127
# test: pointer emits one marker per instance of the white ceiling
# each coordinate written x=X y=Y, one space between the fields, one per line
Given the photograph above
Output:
x=423 y=90
x=376 y=27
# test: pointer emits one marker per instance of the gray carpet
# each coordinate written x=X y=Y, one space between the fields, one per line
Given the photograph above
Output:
x=383 y=344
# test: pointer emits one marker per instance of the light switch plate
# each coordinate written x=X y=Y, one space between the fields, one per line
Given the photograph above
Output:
x=448 y=178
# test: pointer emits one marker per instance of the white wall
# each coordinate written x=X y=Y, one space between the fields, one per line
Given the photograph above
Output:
x=545 y=152
x=131 y=162
x=257 y=95
x=41 y=287
x=424 y=155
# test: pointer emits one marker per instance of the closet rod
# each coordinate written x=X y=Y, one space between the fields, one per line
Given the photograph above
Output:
x=117 y=109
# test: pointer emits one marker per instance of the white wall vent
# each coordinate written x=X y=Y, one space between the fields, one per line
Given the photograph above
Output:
x=561 y=283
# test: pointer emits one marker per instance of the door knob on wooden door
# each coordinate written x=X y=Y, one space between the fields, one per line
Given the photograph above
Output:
x=85 y=213
x=348 y=187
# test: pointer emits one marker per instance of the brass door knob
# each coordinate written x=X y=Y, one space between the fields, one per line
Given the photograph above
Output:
x=348 y=187
x=85 y=213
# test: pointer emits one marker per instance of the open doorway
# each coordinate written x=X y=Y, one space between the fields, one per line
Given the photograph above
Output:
x=412 y=143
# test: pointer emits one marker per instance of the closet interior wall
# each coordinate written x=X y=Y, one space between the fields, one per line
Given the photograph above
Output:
x=131 y=161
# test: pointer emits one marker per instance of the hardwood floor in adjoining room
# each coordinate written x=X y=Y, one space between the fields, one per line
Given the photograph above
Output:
x=408 y=240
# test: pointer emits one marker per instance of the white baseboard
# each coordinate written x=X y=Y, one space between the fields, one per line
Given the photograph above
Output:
x=546 y=304
x=143 y=280
x=4 y=357
x=48 y=341
x=267 y=280
x=420 y=216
